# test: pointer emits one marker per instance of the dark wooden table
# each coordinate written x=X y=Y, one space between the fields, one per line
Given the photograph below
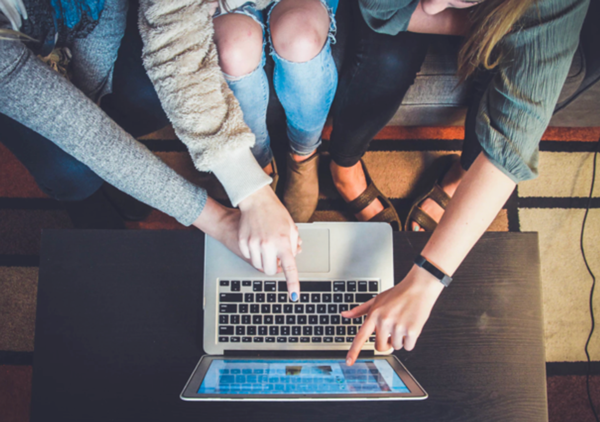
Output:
x=119 y=320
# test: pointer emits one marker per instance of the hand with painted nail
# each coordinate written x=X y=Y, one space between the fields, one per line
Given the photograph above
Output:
x=269 y=238
x=397 y=315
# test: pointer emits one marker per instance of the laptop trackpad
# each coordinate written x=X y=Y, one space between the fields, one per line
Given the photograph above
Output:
x=315 y=251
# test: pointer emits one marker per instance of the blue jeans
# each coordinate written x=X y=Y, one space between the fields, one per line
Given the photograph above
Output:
x=133 y=104
x=305 y=90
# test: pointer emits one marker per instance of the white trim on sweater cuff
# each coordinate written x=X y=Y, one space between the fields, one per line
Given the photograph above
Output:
x=241 y=175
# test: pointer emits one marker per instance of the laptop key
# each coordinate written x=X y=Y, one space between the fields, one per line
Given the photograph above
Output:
x=310 y=309
x=351 y=286
x=296 y=330
x=321 y=309
x=223 y=319
x=327 y=339
x=315 y=298
x=335 y=319
x=340 y=330
x=258 y=339
x=235 y=286
x=235 y=339
x=254 y=309
x=282 y=286
x=327 y=297
x=342 y=308
x=307 y=331
x=270 y=286
x=332 y=309
x=316 y=339
x=313 y=319
x=271 y=298
x=265 y=309
x=357 y=320
x=338 y=298
x=373 y=286
x=246 y=319
x=352 y=330
x=257 y=286
x=362 y=286
x=349 y=297
x=360 y=298
x=290 y=319
x=274 y=330
x=251 y=331
x=304 y=297
x=223 y=339
x=260 y=297
x=301 y=319
x=293 y=339
x=372 y=339
x=235 y=319
x=282 y=298
x=281 y=339
x=339 y=339
x=243 y=309
x=269 y=339
x=256 y=319
x=276 y=309
x=346 y=321
x=228 y=309
x=240 y=330
x=315 y=286
x=339 y=286
x=231 y=297
x=329 y=330
x=304 y=339
x=268 y=319
x=246 y=339
x=288 y=309
x=349 y=339
x=318 y=330
x=279 y=319
x=224 y=283
x=246 y=283
x=262 y=330
x=299 y=309
x=285 y=331
x=324 y=319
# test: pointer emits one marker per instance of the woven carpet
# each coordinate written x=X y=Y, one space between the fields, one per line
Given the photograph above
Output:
x=552 y=205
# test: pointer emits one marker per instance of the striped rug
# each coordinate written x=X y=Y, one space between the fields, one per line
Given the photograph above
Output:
x=552 y=205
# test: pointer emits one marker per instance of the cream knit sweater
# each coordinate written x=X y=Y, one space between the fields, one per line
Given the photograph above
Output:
x=181 y=60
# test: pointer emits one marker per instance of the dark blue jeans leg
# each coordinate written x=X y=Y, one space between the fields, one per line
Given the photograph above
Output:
x=133 y=104
x=57 y=174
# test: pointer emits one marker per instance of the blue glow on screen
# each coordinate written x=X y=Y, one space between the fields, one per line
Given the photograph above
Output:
x=327 y=376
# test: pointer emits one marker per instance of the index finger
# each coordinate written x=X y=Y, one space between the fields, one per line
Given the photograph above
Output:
x=363 y=334
x=288 y=265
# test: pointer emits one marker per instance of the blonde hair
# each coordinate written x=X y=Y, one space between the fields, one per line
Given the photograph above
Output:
x=492 y=20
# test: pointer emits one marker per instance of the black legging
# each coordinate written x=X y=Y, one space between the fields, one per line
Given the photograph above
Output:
x=378 y=70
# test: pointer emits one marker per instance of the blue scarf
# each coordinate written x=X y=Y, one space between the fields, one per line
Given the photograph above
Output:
x=72 y=11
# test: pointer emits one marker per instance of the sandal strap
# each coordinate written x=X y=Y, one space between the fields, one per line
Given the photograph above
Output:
x=364 y=199
x=439 y=195
x=423 y=219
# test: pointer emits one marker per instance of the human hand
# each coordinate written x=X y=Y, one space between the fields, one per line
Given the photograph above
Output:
x=269 y=238
x=396 y=315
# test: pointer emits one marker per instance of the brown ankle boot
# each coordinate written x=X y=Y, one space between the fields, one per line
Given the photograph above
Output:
x=301 y=192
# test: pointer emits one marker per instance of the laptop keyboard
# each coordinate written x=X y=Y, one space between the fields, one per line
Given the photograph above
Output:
x=257 y=311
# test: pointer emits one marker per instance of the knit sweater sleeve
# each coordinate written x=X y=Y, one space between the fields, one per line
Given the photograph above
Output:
x=181 y=60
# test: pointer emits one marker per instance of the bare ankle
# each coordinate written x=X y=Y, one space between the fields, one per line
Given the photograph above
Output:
x=299 y=158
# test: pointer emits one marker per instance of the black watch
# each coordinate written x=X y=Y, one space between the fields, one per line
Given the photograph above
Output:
x=444 y=278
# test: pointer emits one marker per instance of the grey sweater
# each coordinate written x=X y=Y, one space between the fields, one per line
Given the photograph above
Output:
x=181 y=60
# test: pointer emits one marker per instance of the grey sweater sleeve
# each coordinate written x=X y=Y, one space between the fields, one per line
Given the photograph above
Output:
x=181 y=60
x=42 y=100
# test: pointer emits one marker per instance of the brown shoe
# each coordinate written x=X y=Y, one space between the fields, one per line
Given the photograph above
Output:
x=301 y=192
x=274 y=175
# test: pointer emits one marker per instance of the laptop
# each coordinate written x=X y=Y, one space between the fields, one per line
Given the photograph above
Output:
x=262 y=346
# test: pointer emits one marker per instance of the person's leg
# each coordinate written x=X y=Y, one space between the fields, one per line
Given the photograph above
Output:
x=239 y=40
x=379 y=69
x=305 y=78
x=471 y=149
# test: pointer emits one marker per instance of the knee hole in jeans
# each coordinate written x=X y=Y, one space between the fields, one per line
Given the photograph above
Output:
x=239 y=42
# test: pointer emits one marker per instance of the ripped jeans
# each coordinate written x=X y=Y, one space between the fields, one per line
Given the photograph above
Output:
x=305 y=90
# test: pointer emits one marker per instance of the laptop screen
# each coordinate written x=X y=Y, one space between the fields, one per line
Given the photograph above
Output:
x=293 y=376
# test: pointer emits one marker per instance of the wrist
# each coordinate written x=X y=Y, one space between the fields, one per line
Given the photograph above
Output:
x=212 y=218
x=260 y=196
x=426 y=280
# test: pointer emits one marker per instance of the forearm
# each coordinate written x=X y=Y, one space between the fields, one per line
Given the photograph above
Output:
x=47 y=103
x=481 y=194
x=449 y=22
x=180 y=57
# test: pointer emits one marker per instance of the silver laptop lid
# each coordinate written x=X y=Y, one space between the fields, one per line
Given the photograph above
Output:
x=332 y=251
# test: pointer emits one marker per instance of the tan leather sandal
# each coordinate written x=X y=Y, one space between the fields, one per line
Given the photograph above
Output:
x=387 y=215
x=438 y=169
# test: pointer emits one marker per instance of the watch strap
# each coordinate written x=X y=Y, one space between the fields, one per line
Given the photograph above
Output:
x=444 y=278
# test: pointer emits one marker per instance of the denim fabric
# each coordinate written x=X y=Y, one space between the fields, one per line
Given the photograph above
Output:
x=305 y=90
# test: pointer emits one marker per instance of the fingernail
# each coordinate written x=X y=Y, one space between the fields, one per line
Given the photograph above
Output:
x=348 y=361
x=415 y=228
x=294 y=297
